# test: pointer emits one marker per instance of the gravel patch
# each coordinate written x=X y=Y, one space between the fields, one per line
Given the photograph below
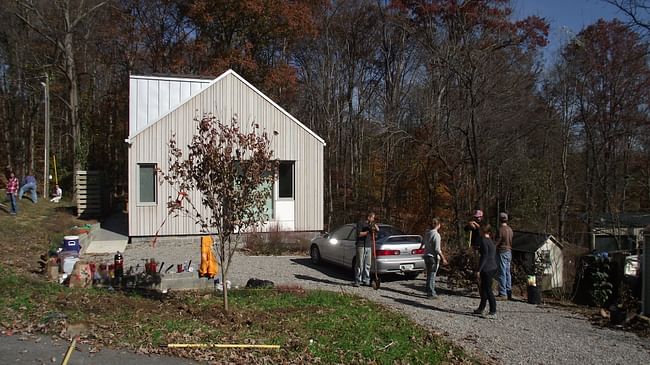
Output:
x=521 y=334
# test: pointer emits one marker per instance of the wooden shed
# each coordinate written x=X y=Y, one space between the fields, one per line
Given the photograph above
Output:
x=527 y=247
x=162 y=106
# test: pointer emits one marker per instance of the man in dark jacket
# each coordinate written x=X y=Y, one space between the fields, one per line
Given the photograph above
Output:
x=365 y=231
x=473 y=227
x=485 y=273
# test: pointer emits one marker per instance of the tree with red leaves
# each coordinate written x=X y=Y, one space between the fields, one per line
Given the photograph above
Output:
x=233 y=169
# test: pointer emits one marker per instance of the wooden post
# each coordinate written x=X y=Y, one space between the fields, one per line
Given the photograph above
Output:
x=645 y=272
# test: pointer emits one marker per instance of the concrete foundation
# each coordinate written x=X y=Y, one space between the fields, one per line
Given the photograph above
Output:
x=165 y=282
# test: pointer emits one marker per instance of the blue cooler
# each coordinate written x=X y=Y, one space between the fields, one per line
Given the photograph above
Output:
x=71 y=243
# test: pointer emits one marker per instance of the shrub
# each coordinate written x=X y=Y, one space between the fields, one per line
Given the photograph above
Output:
x=601 y=289
x=276 y=242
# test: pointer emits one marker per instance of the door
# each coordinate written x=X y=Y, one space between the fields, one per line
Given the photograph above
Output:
x=332 y=250
x=350 y=247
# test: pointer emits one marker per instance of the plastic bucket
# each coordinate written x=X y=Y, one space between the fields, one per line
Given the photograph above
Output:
x=71 y=243
x=68 y=264
x=534 y=295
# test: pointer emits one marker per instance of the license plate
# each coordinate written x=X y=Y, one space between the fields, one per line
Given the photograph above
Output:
x=407 y=267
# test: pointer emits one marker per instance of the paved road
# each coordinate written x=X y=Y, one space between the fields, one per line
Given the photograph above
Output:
x=45 y=350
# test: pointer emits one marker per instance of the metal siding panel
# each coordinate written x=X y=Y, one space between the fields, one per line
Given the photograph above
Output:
x=185 y=90
x=152 y=101
x=133 y=102
x=175 y=95
x=142 y=108
x=163 y=97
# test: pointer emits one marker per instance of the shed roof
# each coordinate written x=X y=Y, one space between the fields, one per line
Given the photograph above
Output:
x=637 y=220
x=531 y=241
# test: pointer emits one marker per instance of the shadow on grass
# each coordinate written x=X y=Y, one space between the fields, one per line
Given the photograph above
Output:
x=69 y=209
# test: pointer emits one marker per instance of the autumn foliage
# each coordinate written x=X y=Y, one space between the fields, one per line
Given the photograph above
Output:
x=427 y=107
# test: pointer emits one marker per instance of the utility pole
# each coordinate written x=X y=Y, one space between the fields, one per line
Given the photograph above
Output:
x=46 y=158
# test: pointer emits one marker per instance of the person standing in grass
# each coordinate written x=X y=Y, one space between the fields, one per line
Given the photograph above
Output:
x=485 y=273
x=29 y=184
x=12 y=190
x=432 y=256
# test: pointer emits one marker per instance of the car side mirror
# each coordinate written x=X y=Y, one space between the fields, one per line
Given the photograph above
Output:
x=325 y=234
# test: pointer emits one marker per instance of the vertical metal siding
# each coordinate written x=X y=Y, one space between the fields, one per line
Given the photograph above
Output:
x=225 y=98
x=150 y=98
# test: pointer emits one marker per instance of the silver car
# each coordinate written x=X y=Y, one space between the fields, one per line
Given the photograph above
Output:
x=396 y=251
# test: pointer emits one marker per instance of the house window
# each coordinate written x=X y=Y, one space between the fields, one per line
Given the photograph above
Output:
x=286 y=180
x=147 y=183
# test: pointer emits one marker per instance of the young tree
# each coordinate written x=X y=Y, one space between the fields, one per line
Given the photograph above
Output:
x=233 y=170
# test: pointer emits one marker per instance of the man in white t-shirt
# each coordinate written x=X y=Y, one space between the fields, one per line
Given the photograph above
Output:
x=57 y=194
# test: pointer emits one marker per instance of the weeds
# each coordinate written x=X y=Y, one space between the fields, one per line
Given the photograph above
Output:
x=276 y=241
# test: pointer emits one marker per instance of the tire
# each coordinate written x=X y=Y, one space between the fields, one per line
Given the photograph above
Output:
x=411 y=275
x=314 y=253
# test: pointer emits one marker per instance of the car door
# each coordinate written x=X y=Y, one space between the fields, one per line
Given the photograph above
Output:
x=349 y=247
x=332 y=250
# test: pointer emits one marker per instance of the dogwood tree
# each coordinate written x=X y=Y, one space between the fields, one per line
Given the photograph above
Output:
x=233 y=169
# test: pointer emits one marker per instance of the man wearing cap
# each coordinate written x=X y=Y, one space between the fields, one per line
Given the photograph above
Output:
x=504 y=256
x=474 y=228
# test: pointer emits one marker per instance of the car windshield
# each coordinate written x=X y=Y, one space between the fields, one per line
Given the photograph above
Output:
x=387 y=231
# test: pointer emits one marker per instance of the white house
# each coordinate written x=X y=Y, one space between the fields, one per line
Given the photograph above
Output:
x=162 y=106
x=528 y=246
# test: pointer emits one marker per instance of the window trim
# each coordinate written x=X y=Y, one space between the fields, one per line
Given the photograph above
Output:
x=293 y=182
x=140 y=203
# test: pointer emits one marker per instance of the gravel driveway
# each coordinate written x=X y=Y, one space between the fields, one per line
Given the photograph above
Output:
x=522 y=333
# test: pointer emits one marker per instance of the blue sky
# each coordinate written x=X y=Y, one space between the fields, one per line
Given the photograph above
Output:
x=566 y=17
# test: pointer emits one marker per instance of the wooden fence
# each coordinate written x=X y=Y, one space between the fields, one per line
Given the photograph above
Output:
x=89 y=193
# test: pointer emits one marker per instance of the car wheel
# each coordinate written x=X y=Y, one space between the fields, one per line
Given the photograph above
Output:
x=315 y=255
x=411 y=275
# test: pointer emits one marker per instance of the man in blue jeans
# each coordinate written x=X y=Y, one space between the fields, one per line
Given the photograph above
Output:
x=504 y=256
x=365 y=232
x=29 y=184
x=432 y=256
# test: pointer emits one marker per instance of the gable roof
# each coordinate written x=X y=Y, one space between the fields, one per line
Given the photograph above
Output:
x=530 y=241
x=209 y=84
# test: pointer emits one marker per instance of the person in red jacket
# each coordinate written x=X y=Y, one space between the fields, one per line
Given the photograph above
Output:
x=12 y=190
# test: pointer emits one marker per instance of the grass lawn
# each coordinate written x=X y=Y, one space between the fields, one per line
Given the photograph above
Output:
x=310 y=326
